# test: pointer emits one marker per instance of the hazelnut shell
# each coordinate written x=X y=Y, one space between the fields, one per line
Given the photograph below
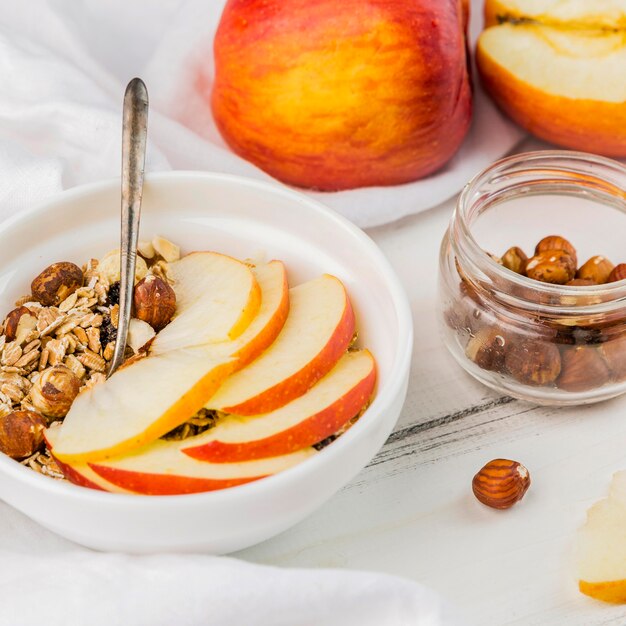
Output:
x=556 y=242
x=597 y=268
x=551 y=266
x=501 y=483
x=533 y=362
x=582 y=368
x=12 y=322
x=617 y=273
x=56 y=283
x=515 y=259
x=54 y=391
x=154 y=301
x=21 y=433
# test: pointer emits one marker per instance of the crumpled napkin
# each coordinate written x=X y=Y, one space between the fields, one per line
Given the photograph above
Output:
x=47 y=580
x=63 y=71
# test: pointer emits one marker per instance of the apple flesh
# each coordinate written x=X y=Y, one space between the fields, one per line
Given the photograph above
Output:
x=216 y=296
x=561 y=77
x=162 y=469
x=83 y=476
x=145 y=400
x=265 y=327
x=601 y=546
x=322 y=411
x=609 y=14
x=316 y=334
x=334 y=95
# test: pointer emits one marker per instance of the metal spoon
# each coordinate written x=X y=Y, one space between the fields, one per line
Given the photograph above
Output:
x=134 y=134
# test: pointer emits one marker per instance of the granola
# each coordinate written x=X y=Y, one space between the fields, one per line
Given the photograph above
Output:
x=78 y=333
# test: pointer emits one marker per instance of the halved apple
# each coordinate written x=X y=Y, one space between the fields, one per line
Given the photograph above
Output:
x=559 y=70
x=143 y=401
x=320 y=412
x=162 y=469
x=317 y=332
x=217 y=297
x=601 y=546
x=609 y=14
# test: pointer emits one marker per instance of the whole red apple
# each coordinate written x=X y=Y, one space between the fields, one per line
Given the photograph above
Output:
x=334 y=94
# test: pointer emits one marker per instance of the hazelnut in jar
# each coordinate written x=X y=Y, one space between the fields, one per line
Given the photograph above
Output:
x=533 y=323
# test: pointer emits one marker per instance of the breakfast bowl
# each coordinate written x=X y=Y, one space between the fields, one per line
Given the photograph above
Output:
x=245 y=219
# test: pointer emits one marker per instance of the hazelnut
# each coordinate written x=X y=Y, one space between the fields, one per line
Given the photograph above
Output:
x=597 y=268
x=501 y=483
x=486 y=349
x=56 y=283
x=154 y=301
x=515 y=259
x=551 y=266
x=581 y=282
x=21 y=433
x=18 y=324
x=582 y=368
x=556 y=242
x=54 y=391
x=614 y=353
x=617 y=273
x=533 y=362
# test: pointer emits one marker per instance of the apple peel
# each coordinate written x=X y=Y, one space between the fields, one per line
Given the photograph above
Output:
x=317 y=332
x=307 y=420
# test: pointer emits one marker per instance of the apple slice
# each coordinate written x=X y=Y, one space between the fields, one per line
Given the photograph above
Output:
x=564 y=85
x=217 y=297
x=139 y=403
x=265 y=327
x=143 y=401
x=317 y=332
x=162 y=469
x=601 y=546
x=320 y=412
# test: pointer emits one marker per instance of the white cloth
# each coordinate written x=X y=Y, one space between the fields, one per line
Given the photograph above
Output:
x=63 y=70
x=45 y=579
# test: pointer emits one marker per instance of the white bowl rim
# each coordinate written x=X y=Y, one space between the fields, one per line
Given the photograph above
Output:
x=384 y=397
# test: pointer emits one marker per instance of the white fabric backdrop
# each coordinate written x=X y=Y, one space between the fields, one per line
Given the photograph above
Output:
x=64 y=67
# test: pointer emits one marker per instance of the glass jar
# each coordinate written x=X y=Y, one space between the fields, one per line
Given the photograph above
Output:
x=547 y=343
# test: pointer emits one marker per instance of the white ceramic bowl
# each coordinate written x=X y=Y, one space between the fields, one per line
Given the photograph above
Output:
x=246 y=219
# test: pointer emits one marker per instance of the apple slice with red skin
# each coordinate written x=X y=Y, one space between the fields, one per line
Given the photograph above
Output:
x=83 y=476
x=217 y=297
x=318 y=331
x=265 y=327
x=322 y=411
x=145 y=400
x=162 y=469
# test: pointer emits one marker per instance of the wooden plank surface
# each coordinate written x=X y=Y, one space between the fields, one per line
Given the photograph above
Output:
x=411 y=512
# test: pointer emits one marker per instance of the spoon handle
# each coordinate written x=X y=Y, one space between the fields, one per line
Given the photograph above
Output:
x=134 y=134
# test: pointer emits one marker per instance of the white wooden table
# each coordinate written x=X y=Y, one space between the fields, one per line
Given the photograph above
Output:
x=411 y=512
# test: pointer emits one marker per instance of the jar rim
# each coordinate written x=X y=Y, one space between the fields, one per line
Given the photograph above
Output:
x=597 y=175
